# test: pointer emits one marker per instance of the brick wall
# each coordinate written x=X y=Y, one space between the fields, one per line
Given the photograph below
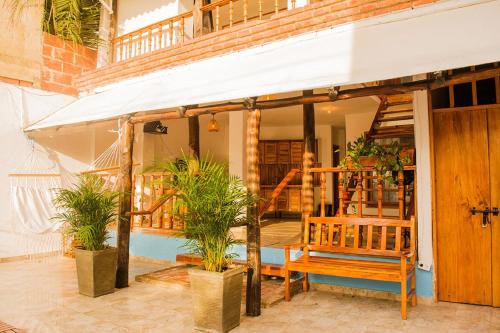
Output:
x=62 y=61
x=317 y=16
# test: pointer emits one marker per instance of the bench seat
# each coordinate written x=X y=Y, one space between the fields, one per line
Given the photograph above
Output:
x=367 y=258
x=351 y=268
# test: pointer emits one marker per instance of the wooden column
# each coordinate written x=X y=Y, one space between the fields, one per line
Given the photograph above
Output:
x=308 y=157
x=125 y=181
x=194 y=136
x=253 y=228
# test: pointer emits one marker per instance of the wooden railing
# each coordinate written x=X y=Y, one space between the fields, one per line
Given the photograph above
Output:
x=178 y=29
x=284 y=182
x=151 y=209
x=360 y=202
x=156 y=36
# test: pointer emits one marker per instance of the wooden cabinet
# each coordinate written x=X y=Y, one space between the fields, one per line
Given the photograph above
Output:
x=277 y=158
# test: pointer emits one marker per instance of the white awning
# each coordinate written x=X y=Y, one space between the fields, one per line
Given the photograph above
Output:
x=444 y=35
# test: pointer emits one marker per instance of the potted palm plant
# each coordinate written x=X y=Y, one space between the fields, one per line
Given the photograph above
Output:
x=210 y=201
x=88 y=209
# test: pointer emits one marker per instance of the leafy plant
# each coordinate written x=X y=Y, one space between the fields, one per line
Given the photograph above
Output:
x=210 y=201
x=360 y=147
x=88 y=208
x=73 y=20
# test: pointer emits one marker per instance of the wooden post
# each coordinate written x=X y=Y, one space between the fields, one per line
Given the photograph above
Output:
x=194 y=136
x=308 y=158
x=253 y=227
x=125 y=181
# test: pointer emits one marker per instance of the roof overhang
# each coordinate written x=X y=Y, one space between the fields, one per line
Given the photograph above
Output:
x=444 y=35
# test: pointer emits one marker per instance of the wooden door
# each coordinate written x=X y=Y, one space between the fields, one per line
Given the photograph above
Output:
x=462 y=181
x=494 y=146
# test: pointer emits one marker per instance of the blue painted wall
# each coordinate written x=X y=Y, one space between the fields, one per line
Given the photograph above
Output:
x=167 y=247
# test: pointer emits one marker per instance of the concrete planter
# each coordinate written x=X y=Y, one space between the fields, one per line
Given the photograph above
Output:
x=96 y=271
x=216 y=299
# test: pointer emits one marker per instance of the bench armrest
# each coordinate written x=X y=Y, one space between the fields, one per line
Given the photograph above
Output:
x=287 y=248
x=407 y=254
x=295 y=246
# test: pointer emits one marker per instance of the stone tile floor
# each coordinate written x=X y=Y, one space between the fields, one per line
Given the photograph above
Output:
x=42 y=296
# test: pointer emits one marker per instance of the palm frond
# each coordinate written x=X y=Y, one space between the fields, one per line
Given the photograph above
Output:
x=88 y=208
x=212 y=202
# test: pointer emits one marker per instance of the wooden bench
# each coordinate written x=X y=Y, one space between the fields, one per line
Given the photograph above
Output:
x=368 y=239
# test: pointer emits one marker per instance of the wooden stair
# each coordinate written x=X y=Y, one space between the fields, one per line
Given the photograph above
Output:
x=394 y=118
x=284 y=182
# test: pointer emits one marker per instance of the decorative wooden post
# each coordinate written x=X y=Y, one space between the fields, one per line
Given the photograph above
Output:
x=308 y=157
x=125 y=181
x=194 y=136
x=253 y=227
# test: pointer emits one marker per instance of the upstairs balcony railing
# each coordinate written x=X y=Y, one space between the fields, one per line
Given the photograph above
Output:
x=177 y=29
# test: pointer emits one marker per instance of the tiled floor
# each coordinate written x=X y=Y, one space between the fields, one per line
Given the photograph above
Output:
x=42 y=296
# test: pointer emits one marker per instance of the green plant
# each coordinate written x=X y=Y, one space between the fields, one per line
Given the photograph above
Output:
x=210 y=201
x=389 y=161
x=356 y=149
x=72 y=20
x=88 y=208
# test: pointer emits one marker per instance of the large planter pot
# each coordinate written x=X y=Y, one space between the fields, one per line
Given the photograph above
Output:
x=96 y=271
x=216 y=299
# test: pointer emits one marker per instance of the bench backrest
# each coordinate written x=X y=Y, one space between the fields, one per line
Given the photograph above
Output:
x=363 y=236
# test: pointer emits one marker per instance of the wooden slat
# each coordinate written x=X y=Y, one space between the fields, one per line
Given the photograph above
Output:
x=369 y=239
x=383 y=238
x=356 y=236
x=397 y=243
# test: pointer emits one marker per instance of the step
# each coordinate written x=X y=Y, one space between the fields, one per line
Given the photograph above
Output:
x=399 y=99
x=266 y=269
x=394 y=128
x=399 y=118
x=394 y=111
x=390 y=136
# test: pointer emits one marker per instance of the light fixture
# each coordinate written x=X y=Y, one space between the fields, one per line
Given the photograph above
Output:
x=213 y=125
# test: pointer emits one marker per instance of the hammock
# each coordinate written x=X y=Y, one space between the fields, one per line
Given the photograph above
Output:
x=32 y=189
x=107 y=166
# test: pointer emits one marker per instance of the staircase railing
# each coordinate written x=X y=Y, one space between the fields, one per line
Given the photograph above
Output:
x=276 y=192
x=381 y=107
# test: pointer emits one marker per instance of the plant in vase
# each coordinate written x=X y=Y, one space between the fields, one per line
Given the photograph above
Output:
x=360 y=153
x=88 y=209
x=210 y=201
x=390 y=162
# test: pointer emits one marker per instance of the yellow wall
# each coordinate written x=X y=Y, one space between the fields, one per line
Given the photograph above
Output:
x=20 y=44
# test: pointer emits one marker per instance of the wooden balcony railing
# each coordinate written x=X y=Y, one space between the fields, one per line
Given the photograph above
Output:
x=166 y=33
x=176 y=30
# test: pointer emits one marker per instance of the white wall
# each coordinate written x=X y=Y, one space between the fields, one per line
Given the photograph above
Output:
x=356 y=124
x=54 y=151
x=172 y=145
x=133 y=14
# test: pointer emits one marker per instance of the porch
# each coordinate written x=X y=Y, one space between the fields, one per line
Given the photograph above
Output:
x=42 y=296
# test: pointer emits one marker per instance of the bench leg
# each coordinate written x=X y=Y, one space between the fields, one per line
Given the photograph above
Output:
x=403 y=297
x=305 y=283
x=413 y=286
x=287 y=285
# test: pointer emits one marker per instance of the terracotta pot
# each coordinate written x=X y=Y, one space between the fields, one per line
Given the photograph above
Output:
x=216 y=299
x=408 y=152
x=368 y=161
x=96 y=271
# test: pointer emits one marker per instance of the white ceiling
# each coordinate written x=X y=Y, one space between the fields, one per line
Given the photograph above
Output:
x=325 y=113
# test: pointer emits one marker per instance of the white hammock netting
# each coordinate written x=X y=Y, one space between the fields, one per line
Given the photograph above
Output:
x=34 y=185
